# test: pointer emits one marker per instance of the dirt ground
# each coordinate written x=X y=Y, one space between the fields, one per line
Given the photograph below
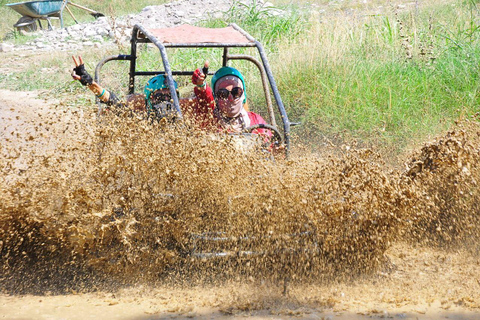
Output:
x=418 y=282
x=425 y=284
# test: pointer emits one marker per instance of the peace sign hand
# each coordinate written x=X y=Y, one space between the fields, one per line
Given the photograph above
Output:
x=79 y=73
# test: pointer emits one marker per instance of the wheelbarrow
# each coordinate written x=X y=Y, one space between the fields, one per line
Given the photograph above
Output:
x=33 y=11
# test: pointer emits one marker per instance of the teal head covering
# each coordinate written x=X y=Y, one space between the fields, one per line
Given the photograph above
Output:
x=156 y=83
x=228 y=71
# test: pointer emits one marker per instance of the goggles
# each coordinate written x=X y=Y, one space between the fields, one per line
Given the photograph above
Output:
x=236 y=92
x=158 y=97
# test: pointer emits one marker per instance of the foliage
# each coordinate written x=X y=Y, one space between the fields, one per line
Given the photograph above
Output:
x=266 y=23
x=389 y=79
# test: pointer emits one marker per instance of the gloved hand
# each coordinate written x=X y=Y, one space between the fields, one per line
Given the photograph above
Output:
x=199 y=75
x=79 y=73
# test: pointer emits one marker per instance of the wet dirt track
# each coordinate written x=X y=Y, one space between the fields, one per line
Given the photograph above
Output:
x=97 y=221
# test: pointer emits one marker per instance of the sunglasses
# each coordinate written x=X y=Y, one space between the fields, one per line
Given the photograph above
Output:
x=224 y=93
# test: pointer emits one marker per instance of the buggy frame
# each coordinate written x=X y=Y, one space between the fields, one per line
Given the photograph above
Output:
x=187 y=36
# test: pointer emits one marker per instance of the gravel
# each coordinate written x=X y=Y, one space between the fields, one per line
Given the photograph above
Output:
x=107 y=31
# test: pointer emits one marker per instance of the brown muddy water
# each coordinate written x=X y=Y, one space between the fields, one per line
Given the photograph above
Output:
x=124 y=220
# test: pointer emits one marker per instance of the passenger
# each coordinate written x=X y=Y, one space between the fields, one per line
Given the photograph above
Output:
x=156 y=100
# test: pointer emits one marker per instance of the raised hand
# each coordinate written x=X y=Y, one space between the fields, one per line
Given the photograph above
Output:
x=199 y=75
x=79 y=73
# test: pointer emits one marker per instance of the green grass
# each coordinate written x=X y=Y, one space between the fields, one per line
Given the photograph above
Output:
x=263 y=23
x=364 y=78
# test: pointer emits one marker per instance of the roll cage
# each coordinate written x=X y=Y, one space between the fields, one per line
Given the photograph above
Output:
x=187 y=36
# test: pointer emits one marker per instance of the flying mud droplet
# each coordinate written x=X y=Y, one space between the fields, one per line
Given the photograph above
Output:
x=123 y=201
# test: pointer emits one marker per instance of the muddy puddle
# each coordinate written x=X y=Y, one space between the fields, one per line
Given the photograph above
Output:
x=124 y=220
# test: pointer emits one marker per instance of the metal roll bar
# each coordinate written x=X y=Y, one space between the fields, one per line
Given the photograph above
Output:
x=142 y=35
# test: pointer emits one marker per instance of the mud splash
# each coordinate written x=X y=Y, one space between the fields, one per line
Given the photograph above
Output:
x=126 y=202
x=446 y=173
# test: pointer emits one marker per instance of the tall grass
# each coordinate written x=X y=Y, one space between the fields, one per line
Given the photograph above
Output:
x=266 y=23
x=384 y=79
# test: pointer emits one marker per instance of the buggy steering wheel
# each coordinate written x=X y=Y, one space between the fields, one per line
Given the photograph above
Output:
x=276 y=139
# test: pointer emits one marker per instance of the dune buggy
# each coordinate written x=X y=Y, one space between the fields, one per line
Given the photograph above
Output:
x=218 y=245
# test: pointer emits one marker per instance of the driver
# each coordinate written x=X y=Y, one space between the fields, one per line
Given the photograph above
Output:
x=229 y=101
